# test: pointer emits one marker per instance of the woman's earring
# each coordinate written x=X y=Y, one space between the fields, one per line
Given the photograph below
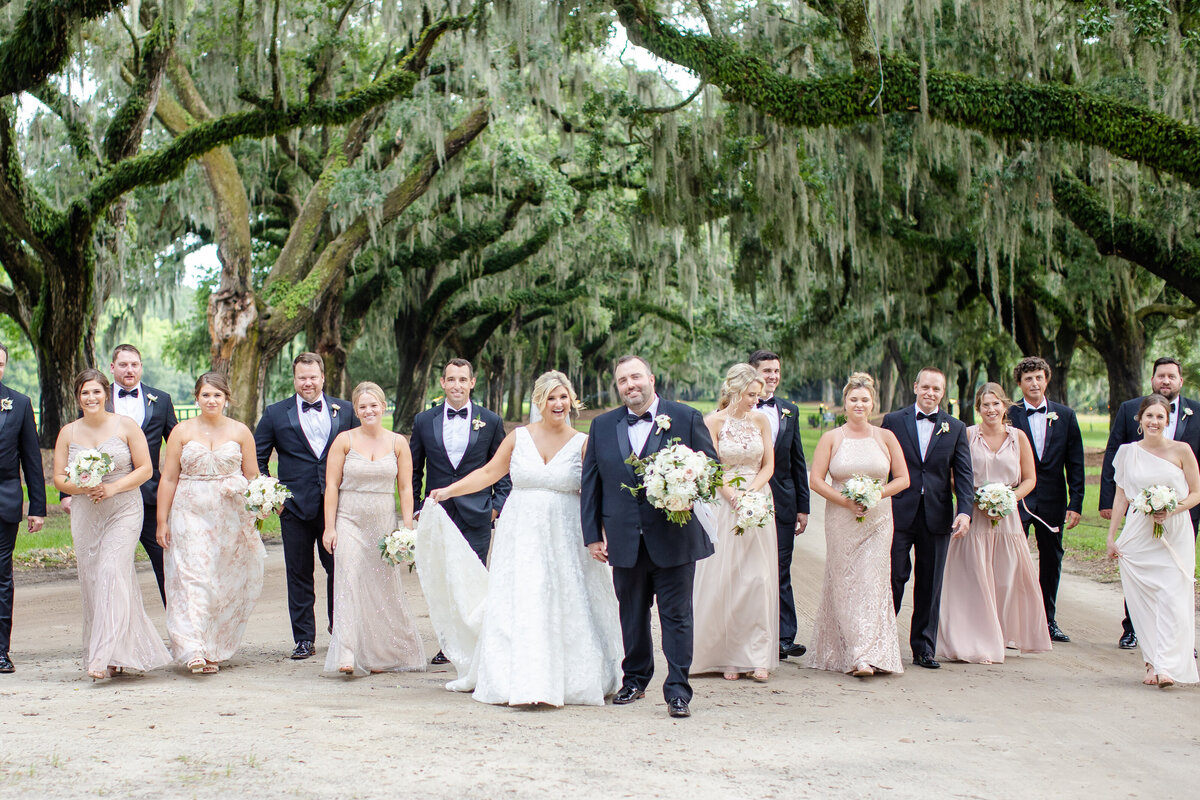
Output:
x=1140 y=433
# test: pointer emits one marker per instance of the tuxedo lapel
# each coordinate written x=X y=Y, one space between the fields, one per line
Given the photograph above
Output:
x=5 y=394
x=438 y=436
x=148 y=407
x=623 y=447
x=473 y=435
x=293 y=415
x=1021 y=418
x=335 y=425
x=1181 y=424
x=910 y=427
x=654 y=440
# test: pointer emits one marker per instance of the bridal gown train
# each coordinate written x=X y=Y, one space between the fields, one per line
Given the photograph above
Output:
x=1157 y=574
x=214 y=561
x=116 y=630
x=548 y=631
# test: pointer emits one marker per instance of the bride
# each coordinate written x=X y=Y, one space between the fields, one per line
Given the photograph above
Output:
x=550 y=632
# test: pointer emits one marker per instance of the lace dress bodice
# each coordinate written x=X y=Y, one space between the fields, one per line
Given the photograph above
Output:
x=116 y=449
x=858 y=457
x=562 y=474
x=740 y=447
x=361 y=474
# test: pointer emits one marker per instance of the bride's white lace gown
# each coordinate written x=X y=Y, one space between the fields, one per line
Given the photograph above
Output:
x=549 y=632
x=1157 y=574
x=214 y=561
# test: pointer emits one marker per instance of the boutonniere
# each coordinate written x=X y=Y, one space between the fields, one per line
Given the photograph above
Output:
x=477 y=423
x=663 y=422
x=1051 y=417
x=787 y=412
x=6 y=404
x=1187 y=410
x=151 y=398
x=334 y=408
x=945 y=428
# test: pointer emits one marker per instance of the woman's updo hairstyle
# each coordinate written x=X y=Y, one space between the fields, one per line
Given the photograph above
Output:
x=548 y=382
x=96 y=375
x=860 y=380
x=738 y=381
x=216 y=380
x=1153 y=400
x=367 y=387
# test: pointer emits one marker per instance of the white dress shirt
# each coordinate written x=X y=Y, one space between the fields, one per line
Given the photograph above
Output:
x=1173 y=418
x=456 y=434
x=772 y=413
x=639 y=433
x=924 y=431
x=130 y=406
x=1037 y=425
x=315 y=424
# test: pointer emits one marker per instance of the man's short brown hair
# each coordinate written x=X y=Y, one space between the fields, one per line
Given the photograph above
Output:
x=459 y=362
x=308 y=358
x=125 y=348
x=1030 y=364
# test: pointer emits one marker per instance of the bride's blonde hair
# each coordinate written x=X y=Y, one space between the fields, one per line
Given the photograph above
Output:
x=548 y=382
x=738 y=380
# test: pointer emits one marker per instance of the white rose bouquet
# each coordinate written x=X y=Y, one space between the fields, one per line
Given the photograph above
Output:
x=1154 y=499
x=864 y=490
x=997 y=501
x=675 y=478
x=265 y=496
x=399 y=547
x=88 y=468
x=754 y=510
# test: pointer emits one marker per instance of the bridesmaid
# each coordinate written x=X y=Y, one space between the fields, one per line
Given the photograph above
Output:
x=736 y=594
x=1158 y=573
x=990 y=592
x=855 y=630
x=117 y=634
x=213 y=554
x=373 y=630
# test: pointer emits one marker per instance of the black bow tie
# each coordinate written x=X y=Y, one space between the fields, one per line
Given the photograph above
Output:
x=306 y=406
x=769 y=401
x=451 y=413
x=634 y=419
x=922 y=415
x=1039 y=410
x=128 y=392
x=1172 y=404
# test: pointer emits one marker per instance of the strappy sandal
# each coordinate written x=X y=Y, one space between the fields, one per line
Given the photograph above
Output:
x=863 y=670
x=1165 y=681
x=196 y=665
x=346 y=669
x=97 y=675
x=1151 y=679
x=210 y=668
x=761 y=675
x=732 y=676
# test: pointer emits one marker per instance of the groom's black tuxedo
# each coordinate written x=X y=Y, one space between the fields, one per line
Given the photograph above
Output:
x=302 y=521
x=471 y=513
x=1058 y=468
x=789 y=487
x=940 y=487
x=651 y=557
x=157 y=424
x=19 y=452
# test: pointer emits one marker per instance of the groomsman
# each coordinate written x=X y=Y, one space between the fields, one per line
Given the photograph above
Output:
x=936 y=504
x=154 y=413
x=18 y=448
x=789 y=487
x=653 y=560
x=1183 y=425
x=448 y=442
x=300 y=430
x=1053 y=430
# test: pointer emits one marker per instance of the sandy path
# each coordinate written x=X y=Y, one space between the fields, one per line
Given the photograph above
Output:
x=1073 y=723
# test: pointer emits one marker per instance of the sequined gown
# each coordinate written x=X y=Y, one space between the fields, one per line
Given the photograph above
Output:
x=856 y=622
x=116 y=630
x=735 y=599
x=214 y=561
x=373 y=629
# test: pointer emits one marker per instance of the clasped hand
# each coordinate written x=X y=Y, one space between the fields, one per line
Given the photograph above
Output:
x=99 y=492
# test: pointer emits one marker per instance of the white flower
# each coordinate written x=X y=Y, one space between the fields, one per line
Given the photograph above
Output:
x=477 y=423
x=864 y=490
x=151 y=398
x=88 y=468
x=334 y=408
x=6 y=405
x=1051 y=417
x=1187 y=411
x=399 y=547
x=944 y=429
x=663 y=422
x=787 y=412
x=997 y=500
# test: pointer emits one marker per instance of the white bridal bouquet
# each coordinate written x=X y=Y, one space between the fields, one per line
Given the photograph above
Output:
x=1153 y=499
x=754 y=510
x=675 y=478
x=864 y=490
x=88 y=468
x=399 y=547
x=265 y=496
x=997 y=501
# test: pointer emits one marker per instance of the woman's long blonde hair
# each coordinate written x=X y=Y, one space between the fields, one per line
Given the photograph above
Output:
x=738 y=380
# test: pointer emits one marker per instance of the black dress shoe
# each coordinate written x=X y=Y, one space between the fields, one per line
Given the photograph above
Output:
x=439 y=659
x=677 y=707
x=627 y=695
x=1128 y=641
x=303 y=650
x=925 y=660
x=1056 y=634
x=6 y=664
x=791 y=649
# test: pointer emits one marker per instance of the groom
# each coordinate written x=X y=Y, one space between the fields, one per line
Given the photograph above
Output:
x=652 y=559
x=300 y=430
x=936 y=504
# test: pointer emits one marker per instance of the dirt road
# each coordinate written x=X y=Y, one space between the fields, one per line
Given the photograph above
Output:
x=1072 y=723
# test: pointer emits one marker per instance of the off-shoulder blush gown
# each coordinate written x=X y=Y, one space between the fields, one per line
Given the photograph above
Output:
x=116 y=630
x=736 y=592
x=373 y=629
x=856 y=622
x=214 y=561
